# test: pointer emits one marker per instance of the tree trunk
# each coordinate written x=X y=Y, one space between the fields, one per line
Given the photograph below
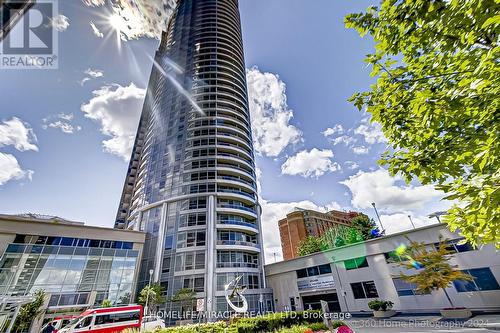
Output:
x=448 y=297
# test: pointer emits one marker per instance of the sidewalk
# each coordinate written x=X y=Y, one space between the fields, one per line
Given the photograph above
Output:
x=487 y=321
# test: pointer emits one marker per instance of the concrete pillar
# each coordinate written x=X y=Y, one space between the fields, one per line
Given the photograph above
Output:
x=211 y=239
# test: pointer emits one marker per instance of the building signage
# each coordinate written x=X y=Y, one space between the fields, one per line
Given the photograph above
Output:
x=316 y=282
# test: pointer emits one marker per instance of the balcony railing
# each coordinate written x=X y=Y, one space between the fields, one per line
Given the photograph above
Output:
x=238 y=243
x=237 y=207
x=236 y=265
x=235 y=222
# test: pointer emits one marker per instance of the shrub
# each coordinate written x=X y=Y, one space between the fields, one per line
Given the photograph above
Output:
x=318 y=327
x=296 y=329
x=337 y=324
x=379 y=305
x=217 y=327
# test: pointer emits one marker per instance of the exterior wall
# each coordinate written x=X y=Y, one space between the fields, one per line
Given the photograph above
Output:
x=73 y=263
x=300 y=224
x=282 y=276
x=191 y=180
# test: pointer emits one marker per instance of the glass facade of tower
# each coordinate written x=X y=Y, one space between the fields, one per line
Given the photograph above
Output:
x=191 y=180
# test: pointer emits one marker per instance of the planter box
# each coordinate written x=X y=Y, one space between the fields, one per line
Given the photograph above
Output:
x=384 y=314
x=456 y=313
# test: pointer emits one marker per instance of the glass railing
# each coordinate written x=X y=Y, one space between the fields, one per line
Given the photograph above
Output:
x=236 y=264
x=237 y=179
x=236 y=222
x=232 y=166
x=237 y=207
x=248 y=195
x=238 y=243
x=250 y=162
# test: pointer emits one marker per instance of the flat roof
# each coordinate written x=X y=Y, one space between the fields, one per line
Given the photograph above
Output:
x=289 y=265
x=32 y=224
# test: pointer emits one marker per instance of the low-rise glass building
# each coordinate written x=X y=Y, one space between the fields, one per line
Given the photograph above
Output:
x=76 y=265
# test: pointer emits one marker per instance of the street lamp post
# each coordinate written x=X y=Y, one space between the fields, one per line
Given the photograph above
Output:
x=149 y=291
x=411 y=221
x=378 y=217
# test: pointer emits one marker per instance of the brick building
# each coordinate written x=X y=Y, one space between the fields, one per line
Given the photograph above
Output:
x=301 y=223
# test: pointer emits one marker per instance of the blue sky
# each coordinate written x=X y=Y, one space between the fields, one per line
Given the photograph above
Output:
x=302 y=66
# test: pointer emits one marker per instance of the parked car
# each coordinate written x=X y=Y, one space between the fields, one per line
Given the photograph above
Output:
x=152 y=322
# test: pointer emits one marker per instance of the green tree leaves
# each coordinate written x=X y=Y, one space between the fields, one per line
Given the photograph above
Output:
x=152 y=295
x=434 y=271
x=437 y=99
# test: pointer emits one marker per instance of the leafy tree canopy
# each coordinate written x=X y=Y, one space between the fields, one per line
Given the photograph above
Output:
x=106 y=304
x=29 y=312
x=153 y=295
x=437 y=99
x=309 y=245
x=434 y=270
x=364 y=224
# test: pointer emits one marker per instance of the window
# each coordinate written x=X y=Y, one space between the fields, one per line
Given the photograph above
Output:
x=457 y=246
x=169 y=242
x=85 y=322
x=292 y=304
x=404 y=288
x=392 y=257
x=483 y=280
x=190 y=239
x=165 y=268
x=197 y=284
x=116 y=318
x=355 y=263
x=313 y=271
x=364 y=289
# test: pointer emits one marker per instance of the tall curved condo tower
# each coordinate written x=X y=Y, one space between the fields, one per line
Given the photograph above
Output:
x=191 y=180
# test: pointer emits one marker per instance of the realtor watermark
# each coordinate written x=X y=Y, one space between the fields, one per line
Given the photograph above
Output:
x=32 y=42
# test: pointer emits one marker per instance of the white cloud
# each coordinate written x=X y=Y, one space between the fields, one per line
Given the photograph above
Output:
x=398 y=222
x=337 y=129
x=313 y=163
x=65 y=127
x=117 y=109
x=94 y=3
x=96 y=30
x=379 y=187
x=59 y=22
x=270 y=115
x=139 y=17
x=15 y=132
x=272 y=212
x=10 y=169
x=91 y=74
x=344 y=139
x=61 y=121
x=372 y=133
x=361 y=150
x=94 y=73
x=351 y=165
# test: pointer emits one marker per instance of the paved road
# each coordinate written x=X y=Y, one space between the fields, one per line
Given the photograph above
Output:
x=422 y=330
x=372 y=326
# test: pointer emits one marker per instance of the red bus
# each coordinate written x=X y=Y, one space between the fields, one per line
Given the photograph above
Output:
x=106 y=320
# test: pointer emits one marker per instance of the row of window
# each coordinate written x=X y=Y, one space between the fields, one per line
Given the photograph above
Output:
x=70 y=241
x=454 y=246
x=313 y=271
x=483 y=280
